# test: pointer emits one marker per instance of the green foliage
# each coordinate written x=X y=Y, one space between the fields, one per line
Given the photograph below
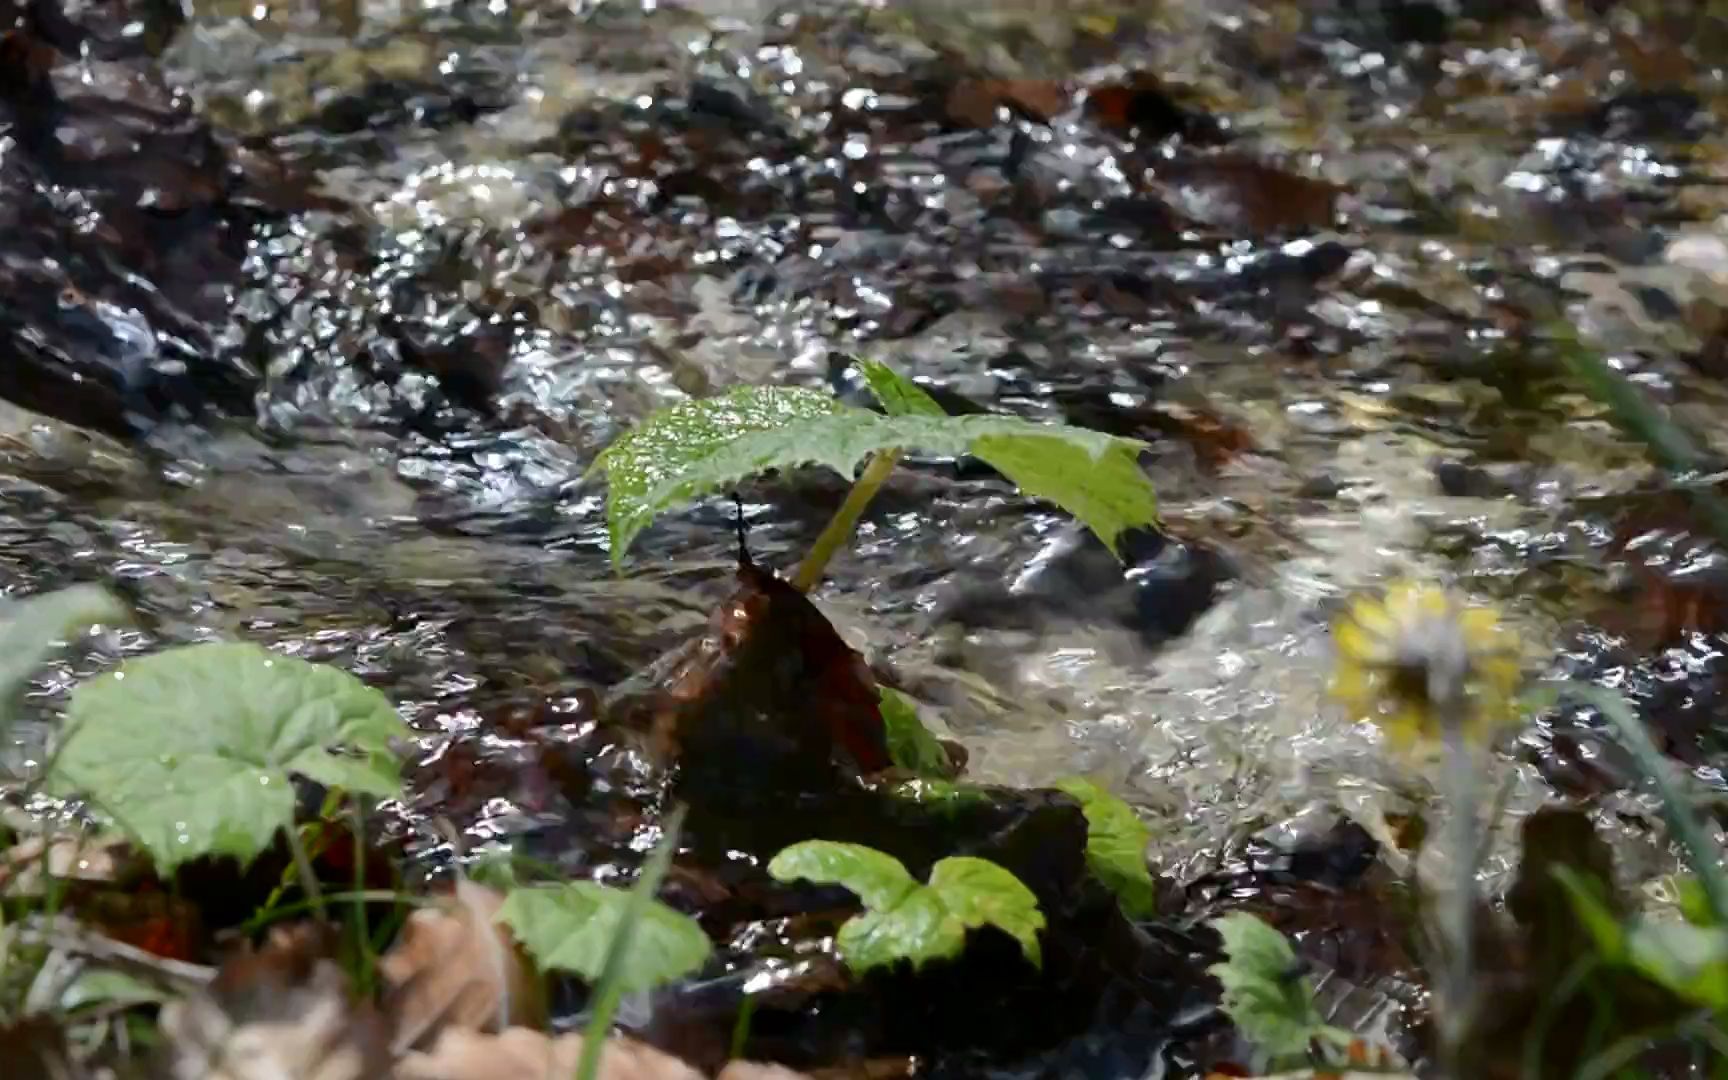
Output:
x=698 y=447
x=904 y=920
x=1265 y=993
x=1116 y=841
x=910 y=744
x=1688 y=959
x=190 y=751
x=898 y=395
x=30 y=628
x=570 y=927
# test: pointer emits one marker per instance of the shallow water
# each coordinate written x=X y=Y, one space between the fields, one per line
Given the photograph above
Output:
x=474 y=242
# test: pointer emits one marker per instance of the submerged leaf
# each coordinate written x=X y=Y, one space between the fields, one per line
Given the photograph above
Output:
x=910 y=744
x=904 y=920
x=698 y=447
x=191 y=751
x=571 y=926
x=1116 y=842
x=1265 y=993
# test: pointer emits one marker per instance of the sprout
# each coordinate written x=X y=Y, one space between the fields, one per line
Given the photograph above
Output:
x=1417 y=661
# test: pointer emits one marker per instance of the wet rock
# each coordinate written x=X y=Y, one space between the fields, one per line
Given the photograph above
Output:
x=1145 y=107
x=119 y=241
x=1158 y=588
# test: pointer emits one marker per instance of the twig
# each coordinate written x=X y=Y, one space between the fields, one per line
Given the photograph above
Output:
x=109 y=951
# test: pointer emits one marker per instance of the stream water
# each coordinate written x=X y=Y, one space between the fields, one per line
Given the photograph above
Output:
x=314 y=317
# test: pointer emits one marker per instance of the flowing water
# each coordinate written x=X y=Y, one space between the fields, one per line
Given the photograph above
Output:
x=315 y=316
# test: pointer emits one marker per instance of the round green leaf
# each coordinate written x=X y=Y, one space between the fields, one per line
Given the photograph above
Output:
x=1265 y=994
x=191 y=750
x=570 y=927
x=919 y=928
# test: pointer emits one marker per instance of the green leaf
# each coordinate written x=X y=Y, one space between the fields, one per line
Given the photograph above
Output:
x=910 y=744
x=109 y=988
x=1692 y=961
x=980 y=893
x=569 y=927
x=190 y=751
x=904 y=920
x=1116 y=842
x=879 y=879
x=899 y=395
x=1265 y=993
x=698 y=447
x=30 y=628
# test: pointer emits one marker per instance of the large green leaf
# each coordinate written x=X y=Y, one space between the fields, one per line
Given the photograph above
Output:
x=910 y=744
x=1116 y=841
x=570 y=927
x=698 y=447
x=1265 y=992
x=190 y=751
x=904 y=920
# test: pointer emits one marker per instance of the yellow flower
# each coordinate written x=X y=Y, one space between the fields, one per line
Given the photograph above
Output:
x=1417 y=660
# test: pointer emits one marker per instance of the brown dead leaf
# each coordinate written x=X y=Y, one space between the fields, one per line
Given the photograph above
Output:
x=280 y=1012
x=63 y=857
x=455 y=966
x=521 y=1054
x=759 y=1070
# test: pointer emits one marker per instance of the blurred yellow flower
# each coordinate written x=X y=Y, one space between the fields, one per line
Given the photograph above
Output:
x=1417 y=660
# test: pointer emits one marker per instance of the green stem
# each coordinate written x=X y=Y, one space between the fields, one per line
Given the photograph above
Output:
x=308 y=880
x=608 y=991
x=838 y=532
x=1676 y=805
x=1457 y=908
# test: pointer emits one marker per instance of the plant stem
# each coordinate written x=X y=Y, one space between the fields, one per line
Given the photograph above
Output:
x=607 y=992
x=1457 y=905
x=1676 y=805
x=308 y=880
x=838 y=532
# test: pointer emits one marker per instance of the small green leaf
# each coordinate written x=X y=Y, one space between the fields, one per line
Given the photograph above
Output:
x=899 y=395
x=980 y=893
x=698 y=447
x=1265 y=993
x=1116 y=842
x=109 y=988
x=191 y=751
x=879 y=879
x=1692 y=961
x=569 y=927
x=30 y=628
x=904 y=920
x=910 y=744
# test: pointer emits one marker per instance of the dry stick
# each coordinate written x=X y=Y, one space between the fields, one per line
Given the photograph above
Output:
x=838 y=532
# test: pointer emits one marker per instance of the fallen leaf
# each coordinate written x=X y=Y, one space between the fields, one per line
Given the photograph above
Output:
x=64 y=857
x=522 y=1054
x=759 y=1070
x=281 y=1012
x=454 y=965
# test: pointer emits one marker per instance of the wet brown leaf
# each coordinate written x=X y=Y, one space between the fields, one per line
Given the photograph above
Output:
x=759 y=1070
x=281 y=1012
x=1247 y=198
x=455 y=966
x=64 y=857
x=974 y=102
x=521 y=1054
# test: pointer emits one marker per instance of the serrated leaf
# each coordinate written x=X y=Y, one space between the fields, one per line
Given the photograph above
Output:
x=898 y=395
x=907 y=921
x=30 y=628
x=569 y=927
x=1265 y=994
x=910 y=744
x=1116 y=842
x=980 y=893
x=191 y=751
x=879 y=879
x=698 y=447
